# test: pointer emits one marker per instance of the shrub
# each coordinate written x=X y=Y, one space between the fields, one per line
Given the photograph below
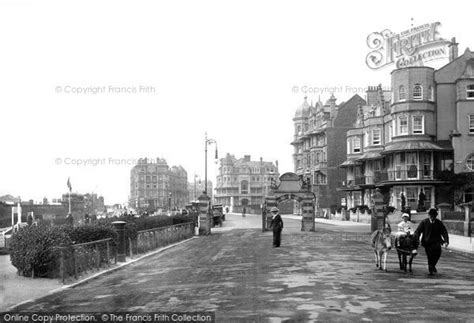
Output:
x=32 y=249
x=91 y=232
x=362 y=209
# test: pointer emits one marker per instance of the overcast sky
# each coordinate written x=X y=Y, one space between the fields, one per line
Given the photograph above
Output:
x=232 y=68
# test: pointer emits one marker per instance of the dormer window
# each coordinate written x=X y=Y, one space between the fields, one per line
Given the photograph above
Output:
x=470 y=92
x=417 y=92
x=401 y=93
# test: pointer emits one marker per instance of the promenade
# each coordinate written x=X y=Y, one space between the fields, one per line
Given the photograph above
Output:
x=327 y=275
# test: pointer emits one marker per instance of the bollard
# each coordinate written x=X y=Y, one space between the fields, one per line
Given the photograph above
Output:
x=119 y=226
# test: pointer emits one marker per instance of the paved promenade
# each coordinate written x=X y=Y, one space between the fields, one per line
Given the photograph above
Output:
x=327 y=275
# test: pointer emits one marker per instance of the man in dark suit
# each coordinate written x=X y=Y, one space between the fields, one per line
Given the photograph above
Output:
x=277 y=226
x=434 y=234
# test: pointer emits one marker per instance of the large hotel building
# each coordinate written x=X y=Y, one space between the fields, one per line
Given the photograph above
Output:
x=408 y=142
x=320 y=147
x=244 y=182
x=417 y=143
x=154 y=185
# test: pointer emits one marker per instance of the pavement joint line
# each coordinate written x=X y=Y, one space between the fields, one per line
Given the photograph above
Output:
x=85 y=280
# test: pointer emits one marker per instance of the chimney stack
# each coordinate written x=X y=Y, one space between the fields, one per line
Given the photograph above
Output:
x=453 y=49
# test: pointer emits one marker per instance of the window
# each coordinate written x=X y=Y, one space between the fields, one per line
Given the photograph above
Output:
x=470 y=162
x=418 y=125
x=401 y=93
x=356 y=146
x=376 y=133
x=403 y=125
x=426 y=164
x=471 y=123
x=244 y=187
x=431 y=93
x=398 y=162
x=470 y=92
x=412 y=165
x=348 y=146
x=417 y=92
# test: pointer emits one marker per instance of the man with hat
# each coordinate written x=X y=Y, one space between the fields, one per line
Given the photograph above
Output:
x=276 y=225
x=433 y=235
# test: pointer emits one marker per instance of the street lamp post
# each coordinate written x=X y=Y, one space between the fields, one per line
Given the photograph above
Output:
x=207 y=141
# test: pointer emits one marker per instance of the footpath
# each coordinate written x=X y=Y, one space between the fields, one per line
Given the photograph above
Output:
x=457 y=243
x=16 y=290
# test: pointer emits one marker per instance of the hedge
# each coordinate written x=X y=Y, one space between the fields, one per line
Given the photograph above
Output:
x=32 y=248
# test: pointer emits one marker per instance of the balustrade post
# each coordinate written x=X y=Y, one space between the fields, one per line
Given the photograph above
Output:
x=61 y=265
x=74 y=260
x=130 y=247
x=97 y=255
x=108 y=254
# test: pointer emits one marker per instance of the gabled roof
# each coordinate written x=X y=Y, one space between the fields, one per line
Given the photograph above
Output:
x=454 y=69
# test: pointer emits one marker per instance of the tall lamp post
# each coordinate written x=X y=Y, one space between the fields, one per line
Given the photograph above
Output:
x=207 y=141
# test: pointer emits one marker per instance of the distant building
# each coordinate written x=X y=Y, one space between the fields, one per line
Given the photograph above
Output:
x=154 y=185
x=244 y=183
x=196 y=188
x=320 y=146
x=93 y=204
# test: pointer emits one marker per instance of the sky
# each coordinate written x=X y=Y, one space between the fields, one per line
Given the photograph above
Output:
x=88 y=87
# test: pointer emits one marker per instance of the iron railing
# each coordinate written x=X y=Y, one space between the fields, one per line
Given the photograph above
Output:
x=83 y=257
x=151 y=239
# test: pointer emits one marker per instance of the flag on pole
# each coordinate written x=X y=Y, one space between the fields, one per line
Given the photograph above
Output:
x=69 y=184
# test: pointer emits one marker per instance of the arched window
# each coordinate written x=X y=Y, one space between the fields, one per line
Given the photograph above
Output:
x=401 y=93
x=417 y=92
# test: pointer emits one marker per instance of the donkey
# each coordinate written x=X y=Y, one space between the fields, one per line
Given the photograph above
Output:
x=407 y=250
x=381 y=244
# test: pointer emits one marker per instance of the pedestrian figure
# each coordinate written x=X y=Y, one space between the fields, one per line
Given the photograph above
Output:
x=243 y=212
x=434 y=234
x=276 y=225
x=404 y=227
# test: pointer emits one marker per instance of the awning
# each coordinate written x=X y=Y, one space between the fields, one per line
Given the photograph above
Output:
x=370 y=155
x=350 y=162
x=413 y=145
